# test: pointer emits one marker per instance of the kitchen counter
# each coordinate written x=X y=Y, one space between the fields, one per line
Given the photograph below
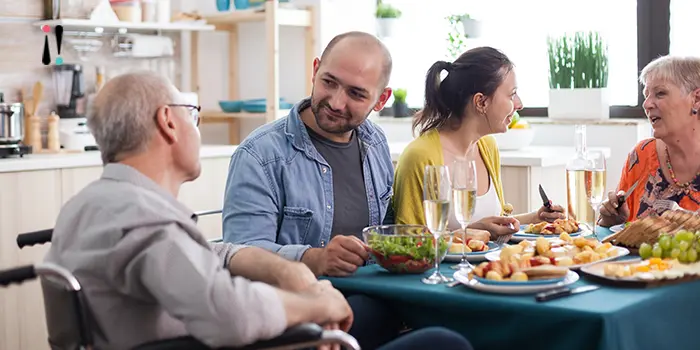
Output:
x=533 y=156
x=45 y=161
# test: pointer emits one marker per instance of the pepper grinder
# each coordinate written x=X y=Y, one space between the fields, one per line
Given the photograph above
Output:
x=53 y=141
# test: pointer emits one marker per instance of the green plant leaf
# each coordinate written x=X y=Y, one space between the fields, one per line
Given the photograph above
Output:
x=578 y=61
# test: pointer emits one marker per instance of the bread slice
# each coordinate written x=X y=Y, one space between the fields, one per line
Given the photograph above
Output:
x=545 y=272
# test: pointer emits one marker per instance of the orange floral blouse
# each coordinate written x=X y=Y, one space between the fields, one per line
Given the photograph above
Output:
x=643 y=164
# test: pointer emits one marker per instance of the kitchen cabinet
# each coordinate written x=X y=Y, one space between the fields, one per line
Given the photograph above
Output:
x=32 y=192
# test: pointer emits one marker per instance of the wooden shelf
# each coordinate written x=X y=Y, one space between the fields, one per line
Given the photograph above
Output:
x=285 y=17
x=88 y=25
x=214 y=116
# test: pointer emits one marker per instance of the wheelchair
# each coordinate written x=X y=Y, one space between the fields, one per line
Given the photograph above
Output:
x=69 y=304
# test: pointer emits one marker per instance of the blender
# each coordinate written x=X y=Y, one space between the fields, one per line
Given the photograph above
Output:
x=70 y=106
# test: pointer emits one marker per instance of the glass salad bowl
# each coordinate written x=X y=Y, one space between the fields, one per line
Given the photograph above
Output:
x=405 y=248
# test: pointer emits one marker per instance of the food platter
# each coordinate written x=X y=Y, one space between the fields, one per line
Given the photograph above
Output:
x=453 y=256
x=529 y=288
x=571 y=252
x=550 y=230
x=642 y=273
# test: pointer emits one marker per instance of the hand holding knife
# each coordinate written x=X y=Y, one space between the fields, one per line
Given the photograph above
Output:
x=545 y=200
x=622 y=199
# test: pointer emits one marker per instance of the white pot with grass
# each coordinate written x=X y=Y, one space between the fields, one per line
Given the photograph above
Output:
x=578 y=77
x=387 y=20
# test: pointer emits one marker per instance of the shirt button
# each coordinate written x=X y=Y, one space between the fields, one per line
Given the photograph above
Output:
x=329 y=207
x=324 y=170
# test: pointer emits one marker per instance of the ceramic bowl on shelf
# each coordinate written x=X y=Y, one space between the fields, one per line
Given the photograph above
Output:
x=515 y=139
x=233 y=106
x=405 y=248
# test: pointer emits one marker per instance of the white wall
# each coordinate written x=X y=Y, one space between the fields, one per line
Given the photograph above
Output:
x=332 y=18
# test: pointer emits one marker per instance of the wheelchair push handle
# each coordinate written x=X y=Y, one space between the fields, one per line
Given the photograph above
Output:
x=17 y=275
x=32 y=238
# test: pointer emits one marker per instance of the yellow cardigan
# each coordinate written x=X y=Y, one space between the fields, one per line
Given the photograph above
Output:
x=427 y=150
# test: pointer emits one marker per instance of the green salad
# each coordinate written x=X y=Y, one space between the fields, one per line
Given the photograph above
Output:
x=413 y=254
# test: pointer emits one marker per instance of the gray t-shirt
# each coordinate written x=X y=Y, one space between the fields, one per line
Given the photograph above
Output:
x=350 y=209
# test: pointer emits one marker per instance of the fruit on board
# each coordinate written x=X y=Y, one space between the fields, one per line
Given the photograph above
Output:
x=684 y=245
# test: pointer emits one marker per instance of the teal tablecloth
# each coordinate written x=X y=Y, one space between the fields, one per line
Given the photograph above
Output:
x=608 y=318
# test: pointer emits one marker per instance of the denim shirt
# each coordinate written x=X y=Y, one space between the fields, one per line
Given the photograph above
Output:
x=279 y=190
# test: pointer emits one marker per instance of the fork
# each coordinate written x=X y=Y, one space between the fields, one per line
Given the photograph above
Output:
x=503 y=239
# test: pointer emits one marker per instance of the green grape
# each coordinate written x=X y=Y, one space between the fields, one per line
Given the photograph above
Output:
x=683 y=256
x=697 y=235
x=675 y=252
x=645 y=251
x=675 y=244
x=665 y=242
x=685 y=235
x=657 y=252
x=692 y=255
x=684 y=245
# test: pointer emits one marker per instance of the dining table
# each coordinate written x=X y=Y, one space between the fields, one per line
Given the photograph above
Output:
x=611 y=317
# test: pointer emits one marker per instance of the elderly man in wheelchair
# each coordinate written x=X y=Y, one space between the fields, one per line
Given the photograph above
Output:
x=129 y=269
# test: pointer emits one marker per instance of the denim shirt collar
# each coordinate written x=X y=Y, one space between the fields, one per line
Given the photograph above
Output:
x=295 y=130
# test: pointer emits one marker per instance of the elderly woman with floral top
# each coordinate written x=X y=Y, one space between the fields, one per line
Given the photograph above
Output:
x=666 y=166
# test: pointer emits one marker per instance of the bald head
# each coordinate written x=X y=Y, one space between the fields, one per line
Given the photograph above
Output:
x=122 y=115
x=361 y=41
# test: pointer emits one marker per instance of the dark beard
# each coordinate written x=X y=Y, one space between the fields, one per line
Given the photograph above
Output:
x=316 y=109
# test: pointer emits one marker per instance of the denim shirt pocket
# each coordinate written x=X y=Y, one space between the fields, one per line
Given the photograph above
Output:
x=296 y=222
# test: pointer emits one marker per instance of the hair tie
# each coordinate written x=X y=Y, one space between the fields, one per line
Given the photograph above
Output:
x=450 y=67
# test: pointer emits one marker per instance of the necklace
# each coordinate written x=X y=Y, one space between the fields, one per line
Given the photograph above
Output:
x=673 y=175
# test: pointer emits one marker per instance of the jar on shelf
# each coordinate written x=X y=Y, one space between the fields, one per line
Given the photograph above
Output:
x=149 y=10
x=127 y=10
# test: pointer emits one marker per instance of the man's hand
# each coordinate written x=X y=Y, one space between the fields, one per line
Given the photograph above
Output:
x=337 y=310
x=295 y=277
x=342 y=256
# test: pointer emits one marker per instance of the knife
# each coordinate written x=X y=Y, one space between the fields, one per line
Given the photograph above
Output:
x=563 y=292
x=545 y=201
x=621 y=200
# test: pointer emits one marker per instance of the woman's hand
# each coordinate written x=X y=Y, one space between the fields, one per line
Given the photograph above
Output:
x=497 y=225
x=611 y=213
x=549 y=215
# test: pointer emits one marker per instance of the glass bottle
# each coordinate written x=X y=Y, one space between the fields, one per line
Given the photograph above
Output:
x=578 y=207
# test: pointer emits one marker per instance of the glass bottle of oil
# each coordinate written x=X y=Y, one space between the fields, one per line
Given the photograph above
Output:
x=578 y=207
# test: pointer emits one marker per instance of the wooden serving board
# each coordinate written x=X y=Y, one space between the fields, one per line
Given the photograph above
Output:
x=595 y=272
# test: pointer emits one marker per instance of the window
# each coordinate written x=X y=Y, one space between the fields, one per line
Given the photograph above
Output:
x=683 y=26
x=520 y=29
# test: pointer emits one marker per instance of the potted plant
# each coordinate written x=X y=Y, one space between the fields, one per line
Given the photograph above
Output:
x=461 y=27
x=387 y=19
x=578 y=77
x=400 y=107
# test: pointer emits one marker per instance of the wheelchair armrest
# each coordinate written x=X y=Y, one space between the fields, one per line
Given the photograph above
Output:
x=17 y=275
x=302 y=335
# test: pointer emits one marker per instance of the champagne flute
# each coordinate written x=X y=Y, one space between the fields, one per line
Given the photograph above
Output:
x=436 y=205
x=595 y=175
x=464 y=201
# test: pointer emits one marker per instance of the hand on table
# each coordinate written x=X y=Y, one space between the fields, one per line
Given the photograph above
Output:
x=498 y=225
x=545 y=214
x=338 y=314
x=611 y=213
x=341 y=257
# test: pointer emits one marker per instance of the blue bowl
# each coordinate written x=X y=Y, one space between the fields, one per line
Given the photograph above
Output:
x=260 y=105
x=231 y=106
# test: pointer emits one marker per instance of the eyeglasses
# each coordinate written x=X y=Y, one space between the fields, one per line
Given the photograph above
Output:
x=194 y=111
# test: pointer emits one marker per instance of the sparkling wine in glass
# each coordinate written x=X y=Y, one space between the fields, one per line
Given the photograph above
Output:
x=464 y=201
x=437 y=193
x=594 y=180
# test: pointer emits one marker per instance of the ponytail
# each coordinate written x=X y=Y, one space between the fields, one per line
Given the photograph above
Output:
x=435 y=111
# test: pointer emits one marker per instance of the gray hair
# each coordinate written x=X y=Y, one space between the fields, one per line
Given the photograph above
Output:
x=681 y=71
x=121 y=117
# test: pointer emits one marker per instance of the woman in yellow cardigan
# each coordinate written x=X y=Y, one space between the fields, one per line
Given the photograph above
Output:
x=477 y=97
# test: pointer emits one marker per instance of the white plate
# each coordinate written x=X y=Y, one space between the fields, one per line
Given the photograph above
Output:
x=522 y=236
x=473 y=257
x=496 y=256
x=617 y=228
x=462 y=277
